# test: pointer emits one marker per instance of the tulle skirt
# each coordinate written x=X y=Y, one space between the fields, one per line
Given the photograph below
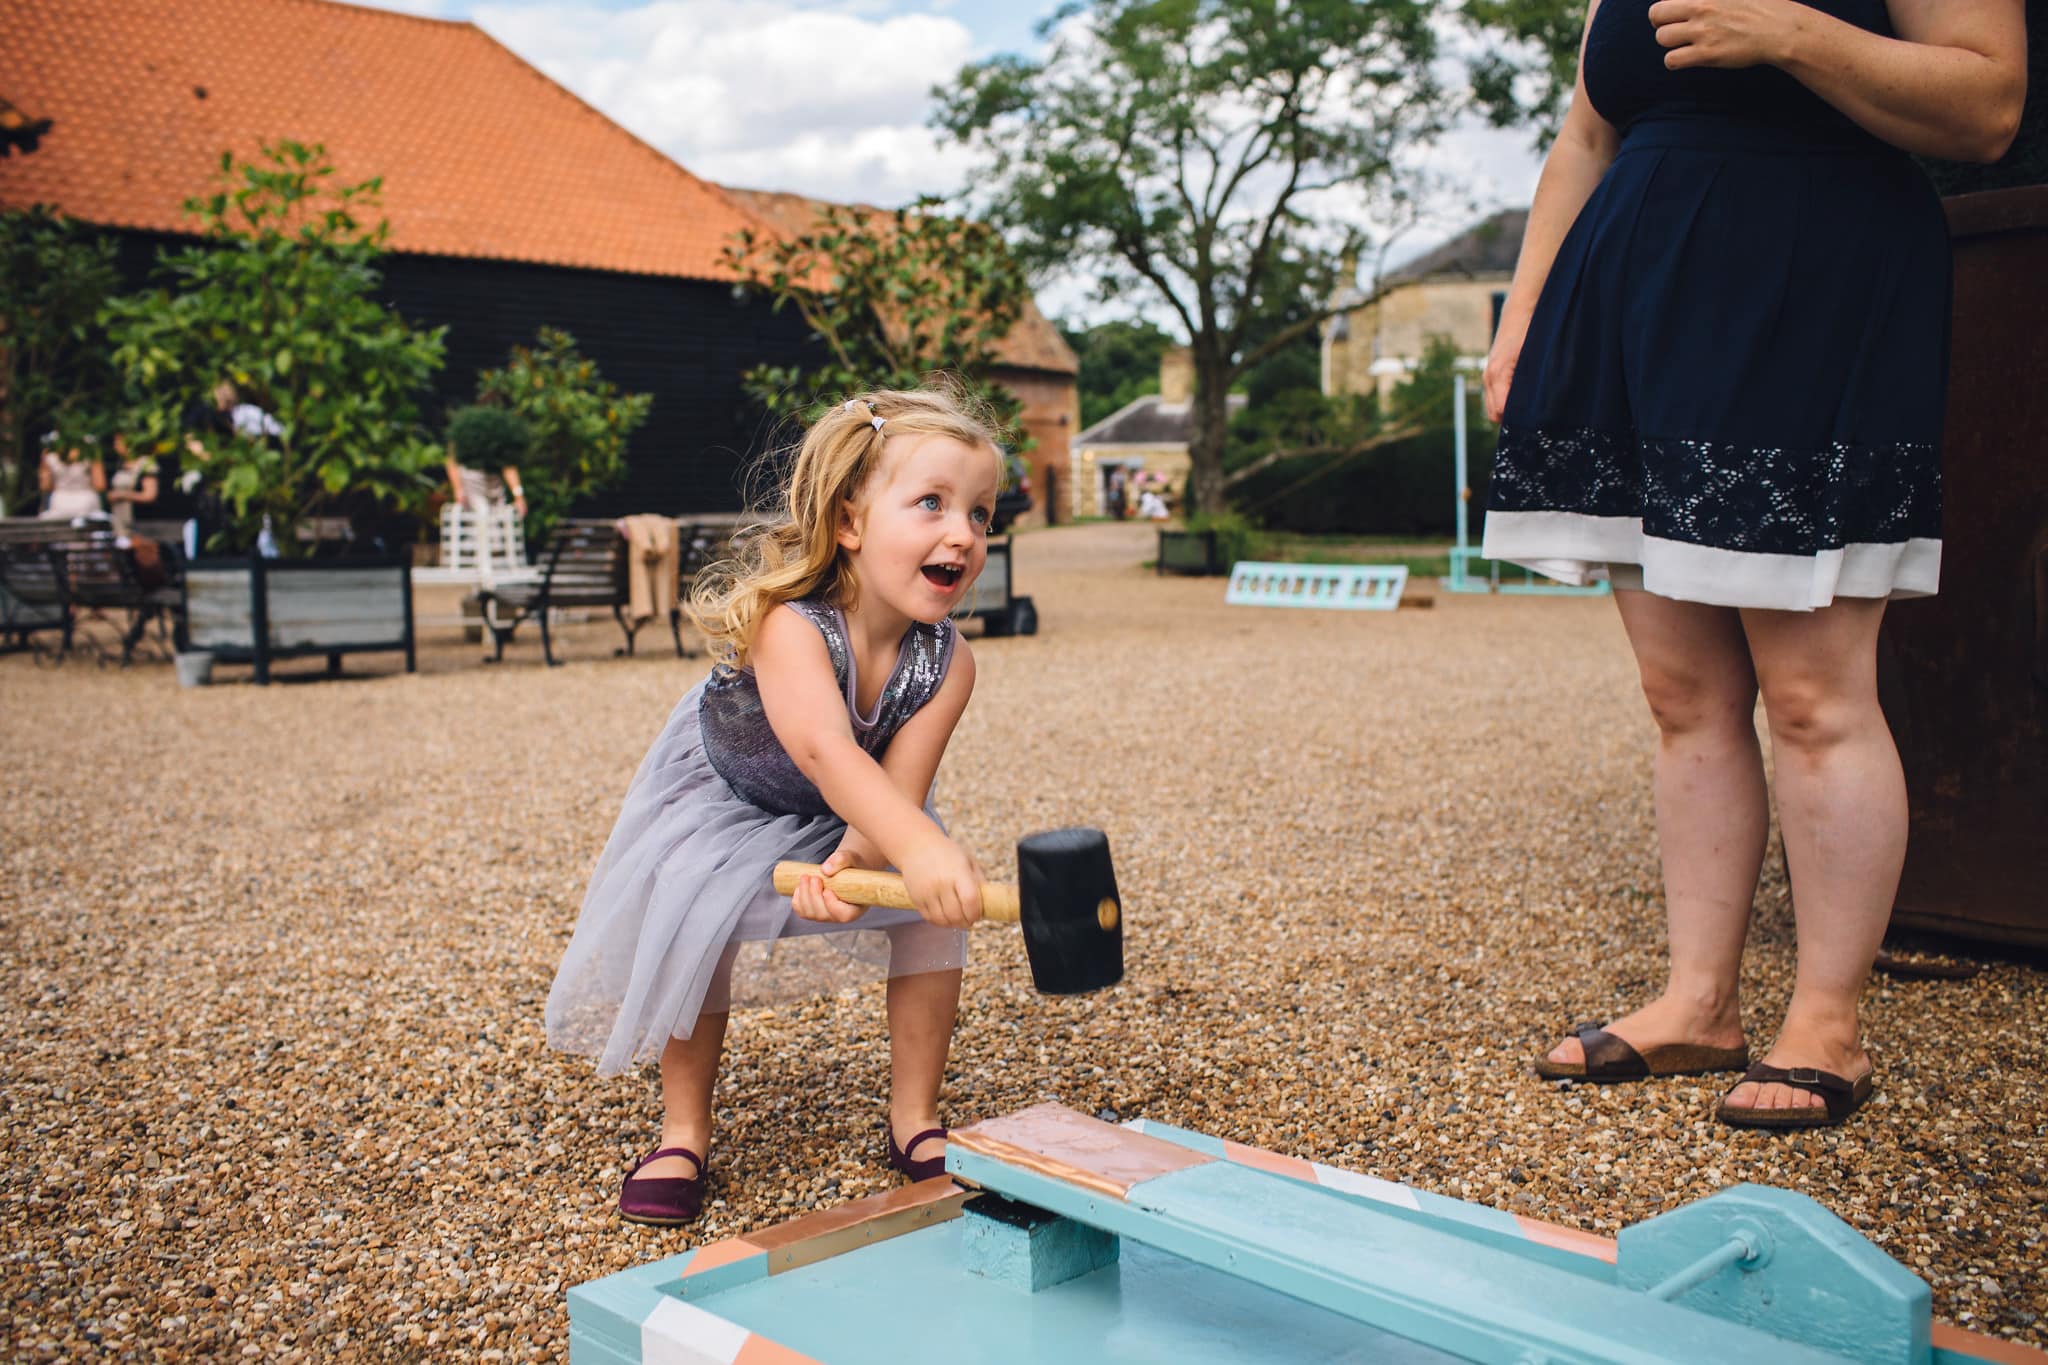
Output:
x=681 y=917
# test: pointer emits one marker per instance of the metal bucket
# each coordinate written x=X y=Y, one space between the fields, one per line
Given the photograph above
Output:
x=195 y=668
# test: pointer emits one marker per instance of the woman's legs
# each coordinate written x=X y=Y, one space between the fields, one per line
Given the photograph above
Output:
x=922 y=1008
x=1842 y=807
x=1713 y=814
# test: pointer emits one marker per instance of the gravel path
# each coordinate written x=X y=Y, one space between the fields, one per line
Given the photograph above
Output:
x=274 y=1081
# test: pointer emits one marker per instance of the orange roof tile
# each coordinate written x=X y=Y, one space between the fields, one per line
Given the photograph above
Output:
x=481 y=154
x=1033 y=344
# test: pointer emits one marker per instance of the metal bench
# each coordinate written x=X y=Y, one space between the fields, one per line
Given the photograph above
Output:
x=100 y=575
x=32 y=587
x=584 y=566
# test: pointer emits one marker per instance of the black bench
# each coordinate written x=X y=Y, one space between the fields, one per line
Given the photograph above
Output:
x=584 y=565
x=32 y=592
x=56 y=573
x=99 y=575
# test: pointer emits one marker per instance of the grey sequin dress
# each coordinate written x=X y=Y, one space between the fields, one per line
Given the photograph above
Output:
x=681 y=917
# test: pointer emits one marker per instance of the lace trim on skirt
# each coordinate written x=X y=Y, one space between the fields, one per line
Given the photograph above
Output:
x=1727 y=495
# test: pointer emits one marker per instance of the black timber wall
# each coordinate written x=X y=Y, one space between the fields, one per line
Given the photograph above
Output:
x=684 y=341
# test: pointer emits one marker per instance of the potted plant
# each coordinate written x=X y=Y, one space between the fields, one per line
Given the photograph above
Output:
x=273 y=323
x=1208 y=545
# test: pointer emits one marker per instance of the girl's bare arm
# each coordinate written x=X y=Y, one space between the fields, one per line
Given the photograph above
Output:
x=807 y=711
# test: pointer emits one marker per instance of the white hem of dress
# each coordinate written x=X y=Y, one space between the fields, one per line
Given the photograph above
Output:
x=1578 y=549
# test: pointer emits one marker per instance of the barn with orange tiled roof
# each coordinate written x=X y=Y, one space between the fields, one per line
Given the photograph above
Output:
x=512 y=203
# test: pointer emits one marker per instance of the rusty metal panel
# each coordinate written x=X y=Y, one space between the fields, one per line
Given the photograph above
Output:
x=1965 y=674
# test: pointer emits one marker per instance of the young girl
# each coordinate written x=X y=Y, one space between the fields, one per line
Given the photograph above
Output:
x=816 y=738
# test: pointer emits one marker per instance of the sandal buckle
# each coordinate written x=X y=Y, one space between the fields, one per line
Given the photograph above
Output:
x=1803 y=1075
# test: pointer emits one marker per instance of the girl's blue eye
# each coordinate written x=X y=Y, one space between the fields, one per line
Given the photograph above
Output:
x=979 y=516
x=930 y=502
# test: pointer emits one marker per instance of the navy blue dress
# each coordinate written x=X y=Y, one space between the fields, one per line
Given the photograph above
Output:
x=1733 y=382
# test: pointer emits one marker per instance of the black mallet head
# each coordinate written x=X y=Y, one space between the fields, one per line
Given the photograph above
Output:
x=1069 y=911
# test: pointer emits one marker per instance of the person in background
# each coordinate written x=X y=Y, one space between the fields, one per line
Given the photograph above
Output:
x=478 y=490
x=135 y=484
x=72 y=479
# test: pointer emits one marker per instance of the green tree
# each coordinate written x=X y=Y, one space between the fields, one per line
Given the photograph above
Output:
x=1119 y=364
x=1527 y=80
x=1171 y=149
x=55 y=276
x=892 y=296
x=579 y=420
x=1299 y=459
x=280 y=300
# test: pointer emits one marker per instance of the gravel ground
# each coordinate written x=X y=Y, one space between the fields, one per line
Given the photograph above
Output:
x=274 y=1076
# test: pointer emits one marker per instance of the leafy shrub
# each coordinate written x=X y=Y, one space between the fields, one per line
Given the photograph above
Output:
x=1234 y=535
x=55 y=276
x=488 y=438
x=281 y=300
x=579 y=420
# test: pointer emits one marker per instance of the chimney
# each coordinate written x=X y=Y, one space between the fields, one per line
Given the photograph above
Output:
x=1176 y=375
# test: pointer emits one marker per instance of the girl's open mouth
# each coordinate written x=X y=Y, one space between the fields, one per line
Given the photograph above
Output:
x=942 y=575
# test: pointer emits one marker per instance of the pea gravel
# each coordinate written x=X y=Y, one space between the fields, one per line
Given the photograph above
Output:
x=274 y=1078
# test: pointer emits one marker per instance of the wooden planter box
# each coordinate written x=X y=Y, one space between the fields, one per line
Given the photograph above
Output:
x=1189 y=552
x=256 y=610
x=1964 y=674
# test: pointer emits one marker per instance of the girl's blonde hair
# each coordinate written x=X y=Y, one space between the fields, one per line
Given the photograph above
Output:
x=794 y=550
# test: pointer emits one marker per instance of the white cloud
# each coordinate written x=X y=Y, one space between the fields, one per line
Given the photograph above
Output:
x=767 y=94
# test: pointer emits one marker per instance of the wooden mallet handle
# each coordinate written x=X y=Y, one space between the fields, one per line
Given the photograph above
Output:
x=860 y=886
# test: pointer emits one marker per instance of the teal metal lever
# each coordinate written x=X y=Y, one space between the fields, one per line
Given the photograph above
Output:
x=1748 y=1248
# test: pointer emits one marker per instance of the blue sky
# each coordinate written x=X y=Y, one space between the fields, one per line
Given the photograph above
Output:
x=832 y=98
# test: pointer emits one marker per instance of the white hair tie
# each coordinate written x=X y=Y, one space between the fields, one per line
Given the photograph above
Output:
x=873 y=420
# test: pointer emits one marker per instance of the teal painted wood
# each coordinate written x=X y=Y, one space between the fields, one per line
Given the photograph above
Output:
x=1533 y=584
x=707 y=1282
x=586 y=1349
x=1809 y=1275
x=1489 y=1225
x=1028 y=1248
x=605 y=1314
x=1432 y=1284
x=1356 y=587
x=905 y=1300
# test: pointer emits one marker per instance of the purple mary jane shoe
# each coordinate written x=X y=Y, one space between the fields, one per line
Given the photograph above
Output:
x=899 y=1157
x=663 y=1203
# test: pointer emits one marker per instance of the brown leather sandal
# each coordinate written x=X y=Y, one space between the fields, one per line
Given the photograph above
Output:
x=1610 y=1058
x=1839 y=1098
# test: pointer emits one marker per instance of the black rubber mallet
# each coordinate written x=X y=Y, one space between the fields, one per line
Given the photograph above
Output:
x=1065 y=901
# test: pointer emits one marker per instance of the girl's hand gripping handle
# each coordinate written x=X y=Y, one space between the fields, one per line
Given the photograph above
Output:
x=860 y=886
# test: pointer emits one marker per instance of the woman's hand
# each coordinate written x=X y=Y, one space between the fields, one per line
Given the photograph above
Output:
x=1724 y=33
x=814 y=900
x=1499 y=373
x=944 y=883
